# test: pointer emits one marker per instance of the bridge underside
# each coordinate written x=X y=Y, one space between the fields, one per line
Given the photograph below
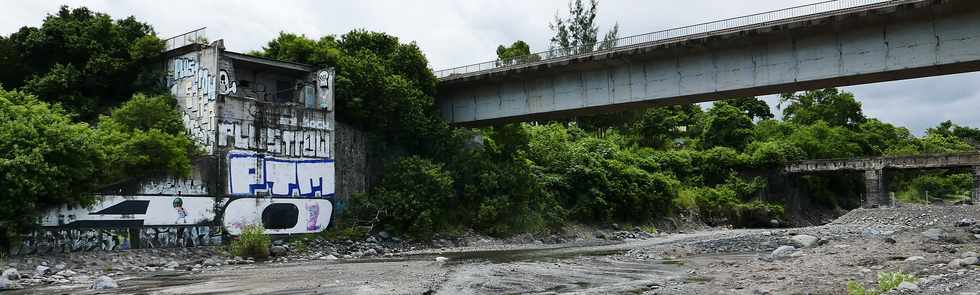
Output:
x=913 y=41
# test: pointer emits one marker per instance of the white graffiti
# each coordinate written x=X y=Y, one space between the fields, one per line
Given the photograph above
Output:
x=228 y=86
x=311 y=215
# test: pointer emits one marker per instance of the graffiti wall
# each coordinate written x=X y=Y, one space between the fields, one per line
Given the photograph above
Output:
x=64 y=240
x=193 y=78
x=126 y=211
x=267 y=128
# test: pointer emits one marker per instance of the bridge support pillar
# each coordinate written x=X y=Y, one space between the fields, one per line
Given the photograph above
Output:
x=976 y=184
x=876 y=192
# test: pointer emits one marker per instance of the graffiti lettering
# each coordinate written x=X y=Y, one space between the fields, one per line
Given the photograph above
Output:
x=250 y=173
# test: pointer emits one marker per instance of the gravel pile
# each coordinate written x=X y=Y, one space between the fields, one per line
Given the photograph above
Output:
x=911 y=215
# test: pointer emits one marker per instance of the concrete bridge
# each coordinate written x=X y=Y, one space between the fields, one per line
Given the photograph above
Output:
x=827 y=44
x=875 y=170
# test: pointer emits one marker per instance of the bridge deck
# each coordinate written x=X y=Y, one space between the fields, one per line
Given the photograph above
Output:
x=776 y=18
x=958 y=160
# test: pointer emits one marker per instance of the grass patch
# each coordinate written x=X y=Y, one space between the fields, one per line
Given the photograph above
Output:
x=649 y=229
x=252 y=243
x=887 y=281
x=352 y=232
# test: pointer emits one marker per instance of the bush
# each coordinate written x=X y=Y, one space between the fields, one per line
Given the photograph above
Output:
x=252 y=243
x=415 y=196
x=887 y=281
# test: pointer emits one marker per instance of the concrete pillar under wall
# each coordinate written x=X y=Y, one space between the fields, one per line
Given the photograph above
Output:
x=976 y=184
x=875 y=192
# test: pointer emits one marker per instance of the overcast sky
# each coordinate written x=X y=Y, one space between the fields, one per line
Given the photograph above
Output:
x=460 y=32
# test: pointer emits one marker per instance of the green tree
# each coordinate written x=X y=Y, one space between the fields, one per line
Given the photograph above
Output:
x=949 y=129
x=81 y=59
x=754 y=107
x=578 y=32
x=383 y=85
x=727 y=126
x=516 y=53
x=45 y=159
x=829 y=105
x=145 y=137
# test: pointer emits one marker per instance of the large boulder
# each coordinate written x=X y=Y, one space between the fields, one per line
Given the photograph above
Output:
x=11 y=274
x=41 y=271
x=6 y=284
x=278 y=250
x=969 y=261
x=908 y=286
x=804 y=241
x=782 y=251
x=934 y=234
x=103 y=283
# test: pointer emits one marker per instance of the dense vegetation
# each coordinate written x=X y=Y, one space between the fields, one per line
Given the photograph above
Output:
x=80 y=113
x=73 y=118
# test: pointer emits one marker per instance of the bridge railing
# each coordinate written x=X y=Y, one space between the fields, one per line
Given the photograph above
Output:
x=765 y=19
x=199 y=36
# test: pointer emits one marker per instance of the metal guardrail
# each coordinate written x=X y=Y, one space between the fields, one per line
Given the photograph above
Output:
x=199 y=36
x=765 y=19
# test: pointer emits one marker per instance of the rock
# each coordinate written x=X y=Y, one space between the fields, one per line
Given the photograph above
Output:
x=615 y=226
x=277 y=250
x=384 y=235
x=774 y=222
x=934 y=234
x=441 y=259
x=968 y=261
x=66 y=273
x=11 y=274
x=371 y=239
x=908 y=286
x=102 y=283
x=209 y=262
x=328 y=257
x=968 y=254
x=965 y=222
x=41 y=271
x=955 y=263
x=6 y=284
x=60 y=266
x=890 y=240
x=804 y=241
x=370 y=252
x=172 y=265
x=914 y=258
x=782 y=251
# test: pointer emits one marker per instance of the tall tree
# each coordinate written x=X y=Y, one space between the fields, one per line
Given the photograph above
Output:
x=578 y=32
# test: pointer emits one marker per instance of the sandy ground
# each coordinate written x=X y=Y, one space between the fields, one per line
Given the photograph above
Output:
x=856 y=248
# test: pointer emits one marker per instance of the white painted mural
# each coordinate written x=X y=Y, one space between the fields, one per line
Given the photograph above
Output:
x=125 y=211
x=279 y=215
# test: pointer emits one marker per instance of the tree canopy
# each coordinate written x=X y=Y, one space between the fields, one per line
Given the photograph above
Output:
x=81 y=59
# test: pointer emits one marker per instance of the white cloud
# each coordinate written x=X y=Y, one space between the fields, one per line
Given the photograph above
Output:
x=460 y=32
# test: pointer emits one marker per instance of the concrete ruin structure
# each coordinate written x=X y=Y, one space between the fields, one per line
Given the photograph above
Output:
x=876 y=169
x=266 y=128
